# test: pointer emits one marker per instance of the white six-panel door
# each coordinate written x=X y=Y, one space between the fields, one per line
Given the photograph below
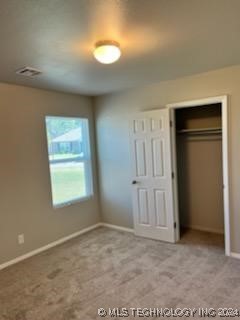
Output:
x=152 y=175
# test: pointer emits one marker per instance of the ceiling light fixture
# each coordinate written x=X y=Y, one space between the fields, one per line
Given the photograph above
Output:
x=107 y=51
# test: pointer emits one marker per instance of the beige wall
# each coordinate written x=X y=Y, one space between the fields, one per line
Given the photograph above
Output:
x=200 y=173
x=25 y=197
x=200 y=182
x=112 y=114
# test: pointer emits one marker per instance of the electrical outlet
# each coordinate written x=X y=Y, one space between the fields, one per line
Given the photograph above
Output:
x=21 y=239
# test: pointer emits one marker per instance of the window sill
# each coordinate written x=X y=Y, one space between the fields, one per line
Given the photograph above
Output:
x=74 y=201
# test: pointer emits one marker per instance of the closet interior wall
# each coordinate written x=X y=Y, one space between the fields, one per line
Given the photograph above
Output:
x=199 y=162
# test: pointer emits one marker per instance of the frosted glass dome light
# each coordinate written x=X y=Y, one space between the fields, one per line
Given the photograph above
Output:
x=107 y=51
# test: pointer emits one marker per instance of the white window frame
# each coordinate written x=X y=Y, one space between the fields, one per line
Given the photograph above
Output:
x=86 y=160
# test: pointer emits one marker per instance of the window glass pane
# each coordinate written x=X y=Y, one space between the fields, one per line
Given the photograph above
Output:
x=69 y=159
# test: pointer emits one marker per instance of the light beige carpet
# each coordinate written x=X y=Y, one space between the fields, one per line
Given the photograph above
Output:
x=107 y=268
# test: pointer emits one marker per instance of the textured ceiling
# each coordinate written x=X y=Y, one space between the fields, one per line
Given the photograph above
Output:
x=160 y=40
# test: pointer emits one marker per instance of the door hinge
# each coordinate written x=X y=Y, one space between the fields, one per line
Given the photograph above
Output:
x=175 y=225
x=173 y=176
x=171 y=123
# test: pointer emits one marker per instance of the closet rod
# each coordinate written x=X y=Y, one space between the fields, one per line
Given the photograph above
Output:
x=201 y=131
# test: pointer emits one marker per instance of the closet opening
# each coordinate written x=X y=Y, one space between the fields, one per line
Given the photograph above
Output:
x=200 y=173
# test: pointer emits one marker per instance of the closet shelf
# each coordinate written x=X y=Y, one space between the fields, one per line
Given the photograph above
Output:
x=201 y=131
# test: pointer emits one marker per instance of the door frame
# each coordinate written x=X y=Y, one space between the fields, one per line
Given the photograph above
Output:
x=224 y=108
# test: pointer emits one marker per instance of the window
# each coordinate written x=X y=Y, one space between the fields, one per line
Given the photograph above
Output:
x=69 y=159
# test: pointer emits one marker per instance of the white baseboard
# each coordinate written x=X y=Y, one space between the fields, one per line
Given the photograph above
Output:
x=49 y=246
x=199 y=228
x=74 y=235
x=235 y=255
x=113 y=226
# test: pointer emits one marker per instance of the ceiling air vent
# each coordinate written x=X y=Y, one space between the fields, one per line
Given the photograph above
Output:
x=28 y=72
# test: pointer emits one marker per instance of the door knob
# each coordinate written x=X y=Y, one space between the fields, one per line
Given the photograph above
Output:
x=134 y=182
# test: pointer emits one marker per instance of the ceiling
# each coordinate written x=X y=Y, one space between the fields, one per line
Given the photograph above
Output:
x=160 y=40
